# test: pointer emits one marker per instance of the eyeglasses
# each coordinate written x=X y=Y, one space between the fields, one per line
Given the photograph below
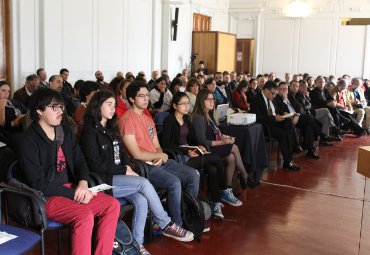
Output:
x=56 y=107
x=184 y=104
x=210 y=99
x=143 y=95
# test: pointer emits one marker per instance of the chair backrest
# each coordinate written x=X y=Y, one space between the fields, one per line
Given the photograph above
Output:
x=159 y=119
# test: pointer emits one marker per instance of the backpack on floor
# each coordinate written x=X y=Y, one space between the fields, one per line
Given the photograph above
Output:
x=124 y=242
x=192 y=214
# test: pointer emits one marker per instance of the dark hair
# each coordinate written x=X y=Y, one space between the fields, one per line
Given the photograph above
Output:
x=32 y=77
x=225 y=73
x=243 y=84
x=199 y=107
x=39 y=70
x=209 y=81
x=114 y=83
x=281 y=84
x=63 y=70
x=191 y=82
x=86 y=88
x=3 y=82
x=277 y=80
x=123 y=82
x=270 y=85
x=175 y=82
x=78 y=84
x=52 y=78
x=92 y=115
x=201 y=62
x=134 y=87
x=176 y=99
x=40 y=99
x=160 y=79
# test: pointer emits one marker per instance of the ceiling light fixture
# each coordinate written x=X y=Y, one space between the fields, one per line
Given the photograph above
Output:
x=298 y=9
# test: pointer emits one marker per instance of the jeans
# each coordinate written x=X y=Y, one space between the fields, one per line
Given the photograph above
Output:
x=140 y=193
x=170 y=176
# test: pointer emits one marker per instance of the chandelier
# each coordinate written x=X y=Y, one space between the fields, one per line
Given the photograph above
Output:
x=298 y=9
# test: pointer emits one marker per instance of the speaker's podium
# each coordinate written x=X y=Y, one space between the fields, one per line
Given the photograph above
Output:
x=217 y=49
x=363 y=161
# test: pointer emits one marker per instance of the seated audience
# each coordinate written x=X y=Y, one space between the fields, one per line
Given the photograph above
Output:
x=240 y=96
x=222 y=92
x=140 y=139
x=100 y=80
x=160 y=96
x=51 y=161
x=359 y=102
x=279 y=128
x=23 y=94
x=112 y=164
x=206 y=133
x=192 y=89
x=252 y=90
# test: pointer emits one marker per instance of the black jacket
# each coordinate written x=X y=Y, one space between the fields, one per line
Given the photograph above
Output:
x=258 y=106
x=170 y=136
x=38 y=157
x=281 y=107
x=97 y=146
x=317 y=100
x=305 y=103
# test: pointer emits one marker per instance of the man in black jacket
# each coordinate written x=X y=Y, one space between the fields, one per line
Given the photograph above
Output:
x=285 y=103
x=51 y=161
x=279 y=128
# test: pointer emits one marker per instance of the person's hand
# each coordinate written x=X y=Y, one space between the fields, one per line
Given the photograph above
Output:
x=129 y=171
x=228 y=139
x=82 y=193
x=306 y=93
x=295 y=119
x=192 y=153
x=279 y=118
x=332 y=104
x=202 y=148
x=157 y=162
x=164 y=157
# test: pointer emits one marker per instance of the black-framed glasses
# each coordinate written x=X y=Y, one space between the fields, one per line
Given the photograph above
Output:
x=56 y=107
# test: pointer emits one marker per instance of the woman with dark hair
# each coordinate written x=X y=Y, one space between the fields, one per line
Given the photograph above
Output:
x=207 y=133
x=105 y=155
x=252 y=90
x=176 y=133
x=160 y=97
x=240 y=97
x=175 y=86
x=11 y=111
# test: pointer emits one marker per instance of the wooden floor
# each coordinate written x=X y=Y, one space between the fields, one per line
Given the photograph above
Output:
x=316 y=211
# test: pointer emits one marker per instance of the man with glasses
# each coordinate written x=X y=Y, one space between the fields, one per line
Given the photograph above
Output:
x=51 y=161
x=279 y=127
x=140 y=139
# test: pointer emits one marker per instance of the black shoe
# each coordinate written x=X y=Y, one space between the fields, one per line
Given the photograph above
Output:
x=361 y=133
x=290 y=166
x=335 y=138
x=325 y=143
x=252 y=183
x=297 y=149
x=243 y=182
x=312 y=154
x=237 y=193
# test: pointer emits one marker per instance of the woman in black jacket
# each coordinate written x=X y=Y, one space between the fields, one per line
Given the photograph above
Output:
x=207 y=133
x=177 y=133
x=105 y=155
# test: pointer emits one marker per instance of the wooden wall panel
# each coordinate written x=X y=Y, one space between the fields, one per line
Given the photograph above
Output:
x=4 y=41
x=226 y=52
x=205 y=45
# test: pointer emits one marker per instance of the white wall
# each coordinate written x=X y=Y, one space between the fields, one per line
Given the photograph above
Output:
x=108 y=35
x=317 y=44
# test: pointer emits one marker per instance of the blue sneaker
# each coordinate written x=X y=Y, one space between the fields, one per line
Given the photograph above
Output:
x=228 y=197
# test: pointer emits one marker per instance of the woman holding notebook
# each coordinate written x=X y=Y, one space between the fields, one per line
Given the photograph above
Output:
x=177 y=133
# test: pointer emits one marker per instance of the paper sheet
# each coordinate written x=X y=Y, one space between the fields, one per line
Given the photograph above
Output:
x=5 y=237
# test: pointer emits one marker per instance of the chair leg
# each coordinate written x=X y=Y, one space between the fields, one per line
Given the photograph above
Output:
x=42 y=245
x=59 y=241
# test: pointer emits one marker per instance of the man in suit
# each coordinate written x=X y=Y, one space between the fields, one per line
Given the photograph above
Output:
x=285 y=103
x=279 y=127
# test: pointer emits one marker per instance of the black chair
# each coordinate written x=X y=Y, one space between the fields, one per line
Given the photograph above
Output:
x=24 y=241
x=39 y=218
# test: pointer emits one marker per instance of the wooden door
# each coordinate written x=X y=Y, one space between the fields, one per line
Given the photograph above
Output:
x=244 y=56
x=5 y=71
x=201 y=22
